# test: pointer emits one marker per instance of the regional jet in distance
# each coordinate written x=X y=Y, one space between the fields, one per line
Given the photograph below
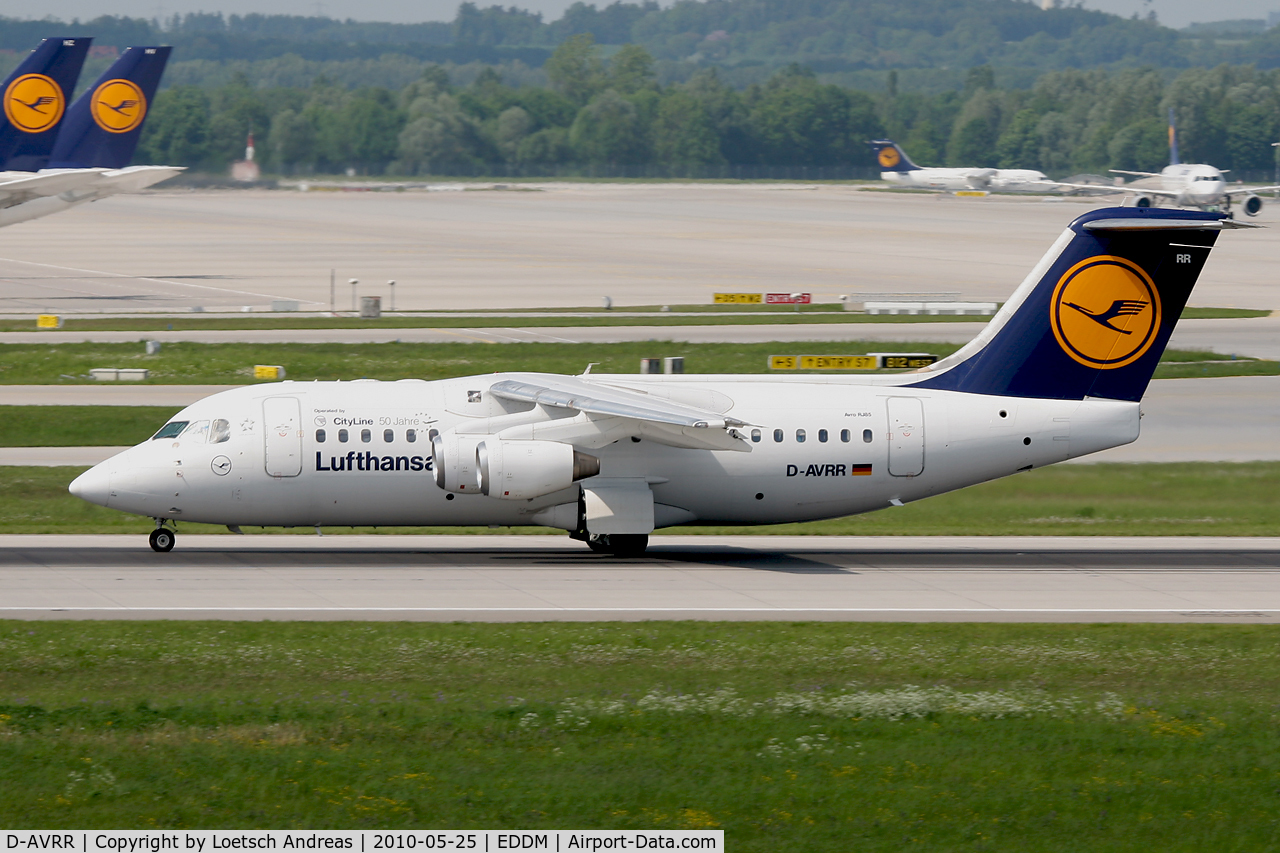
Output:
x=1058 y=373
x=896 y=168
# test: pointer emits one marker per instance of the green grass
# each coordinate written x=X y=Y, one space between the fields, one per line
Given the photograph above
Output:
x=1182 y=499
x=231 y=364
x=728 y=314
x=1112 y=738
x=80 y=426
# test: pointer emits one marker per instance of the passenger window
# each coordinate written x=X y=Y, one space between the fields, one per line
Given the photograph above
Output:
x=755 y=436
x=844 y=436
x=822 y=436
x=866 y=436
x=800 y=436
x=197 y=433
x=388 y=435
x=320 y=436
x=171 y=430
x=411 y=435
x=342 y=436
x=220 y=432
x=366 y=436
x=777 y=435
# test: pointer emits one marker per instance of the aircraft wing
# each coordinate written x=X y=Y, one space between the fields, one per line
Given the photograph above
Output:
x=1137 y=174
x=134 y=178
x=1103 y=188
x=1248 y=190
x=627 y=412
x=40 y=184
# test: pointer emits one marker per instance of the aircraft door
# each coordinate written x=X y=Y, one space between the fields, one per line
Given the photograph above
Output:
x=282 y=431
x=906 y=436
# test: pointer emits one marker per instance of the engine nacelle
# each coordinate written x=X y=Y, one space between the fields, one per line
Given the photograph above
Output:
x=455 y=462
x=518 y=470
x=1252 y=205
x=1137 y=201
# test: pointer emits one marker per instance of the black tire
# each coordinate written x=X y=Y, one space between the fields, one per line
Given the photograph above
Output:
x=619 y=544
x=162 y=539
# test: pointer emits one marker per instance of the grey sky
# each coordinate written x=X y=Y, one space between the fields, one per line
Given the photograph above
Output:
x=1174 y=13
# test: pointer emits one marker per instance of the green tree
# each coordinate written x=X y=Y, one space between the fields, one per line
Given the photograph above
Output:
x=371 y=126
x=1140 y=146
x=574 y=68
x=798 y=121
x=683 y=132
x=608 y=131
x=545 y=147
x=631 y=70
x=440 y=134
x=1019 y=146
x=292 y=141
x=177 y=129
x=513 y=126
x=1250 y=133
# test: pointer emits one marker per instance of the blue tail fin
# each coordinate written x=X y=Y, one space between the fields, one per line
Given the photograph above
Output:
x=1093 y=318
x=890 y=157
x=1173 y=141
x=103 y=125
x=35 y=99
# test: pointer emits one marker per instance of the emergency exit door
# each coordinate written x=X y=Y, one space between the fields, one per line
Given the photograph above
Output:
x=282 y=431
x=906 y=436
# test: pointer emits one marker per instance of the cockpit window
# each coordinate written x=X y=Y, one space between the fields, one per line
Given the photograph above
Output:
x=197 y=433
x=220 y=432
x=171 y=430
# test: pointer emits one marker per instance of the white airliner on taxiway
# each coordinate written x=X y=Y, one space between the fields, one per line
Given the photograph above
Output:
x=896 y=168
x=1057 y=373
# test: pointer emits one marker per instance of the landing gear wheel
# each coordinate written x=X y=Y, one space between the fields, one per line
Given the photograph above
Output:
x=619 y=544
x=162 y=539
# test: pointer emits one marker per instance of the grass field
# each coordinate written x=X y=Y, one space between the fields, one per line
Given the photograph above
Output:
x=1184 y=499
x=232 y=364
x=725 y=314
x=813 y=737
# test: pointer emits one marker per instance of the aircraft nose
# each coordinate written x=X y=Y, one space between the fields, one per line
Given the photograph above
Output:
x=93 y=485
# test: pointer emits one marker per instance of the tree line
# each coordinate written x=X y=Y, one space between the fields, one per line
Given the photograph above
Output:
x=616 y=113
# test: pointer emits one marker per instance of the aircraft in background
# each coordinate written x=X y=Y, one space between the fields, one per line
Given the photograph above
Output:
x=1185 y=185
x=99 y=136
x=896 y=168
x=1058 y=373
x=35 y=103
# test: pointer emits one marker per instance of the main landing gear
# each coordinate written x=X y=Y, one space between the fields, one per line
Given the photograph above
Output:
x=162 y=539
x=618 y=544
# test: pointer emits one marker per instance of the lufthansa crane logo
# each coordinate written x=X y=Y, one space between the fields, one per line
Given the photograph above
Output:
x=118 y=106
x=889 y=157
x=1105 y=312
x=34 y=103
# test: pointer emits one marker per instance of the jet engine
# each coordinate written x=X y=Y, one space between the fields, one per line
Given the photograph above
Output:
x=1252 y=205
x=1137 y=201
x=518 y=470
x=455 y=462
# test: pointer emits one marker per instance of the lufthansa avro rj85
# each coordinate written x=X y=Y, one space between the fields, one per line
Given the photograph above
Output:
x=1058 y=373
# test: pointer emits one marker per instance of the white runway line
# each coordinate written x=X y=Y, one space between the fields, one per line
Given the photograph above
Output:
x=105 y=274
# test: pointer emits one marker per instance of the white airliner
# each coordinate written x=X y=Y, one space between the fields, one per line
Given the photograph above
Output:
x=1186 y=185
x=896 y=168
x=1057 y=373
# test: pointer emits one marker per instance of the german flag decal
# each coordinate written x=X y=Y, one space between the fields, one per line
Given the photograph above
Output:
x=859 y=470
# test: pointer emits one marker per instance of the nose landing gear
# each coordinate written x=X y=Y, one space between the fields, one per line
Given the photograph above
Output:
x=162 y=539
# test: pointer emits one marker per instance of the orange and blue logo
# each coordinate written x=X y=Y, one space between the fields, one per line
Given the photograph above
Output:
x=1105 y=312
x=118 y=106
x=889 y=157
x=34 y=103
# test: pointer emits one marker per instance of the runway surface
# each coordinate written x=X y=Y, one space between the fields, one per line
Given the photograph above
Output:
x=1226 y=419
x=559 y=245
x=550 y=578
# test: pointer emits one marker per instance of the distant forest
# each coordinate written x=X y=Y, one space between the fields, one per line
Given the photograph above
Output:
x=732 y=87
x=615 y=117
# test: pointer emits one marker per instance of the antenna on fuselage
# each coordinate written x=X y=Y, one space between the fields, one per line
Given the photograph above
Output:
x=590 y=365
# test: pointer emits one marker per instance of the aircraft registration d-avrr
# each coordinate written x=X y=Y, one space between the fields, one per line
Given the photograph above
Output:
x=1058 y=373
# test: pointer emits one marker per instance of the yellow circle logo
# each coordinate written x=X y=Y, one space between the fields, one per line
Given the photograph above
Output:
x=889 y=157
x=118 y=106
x=33 y=103
x=1105 y=312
